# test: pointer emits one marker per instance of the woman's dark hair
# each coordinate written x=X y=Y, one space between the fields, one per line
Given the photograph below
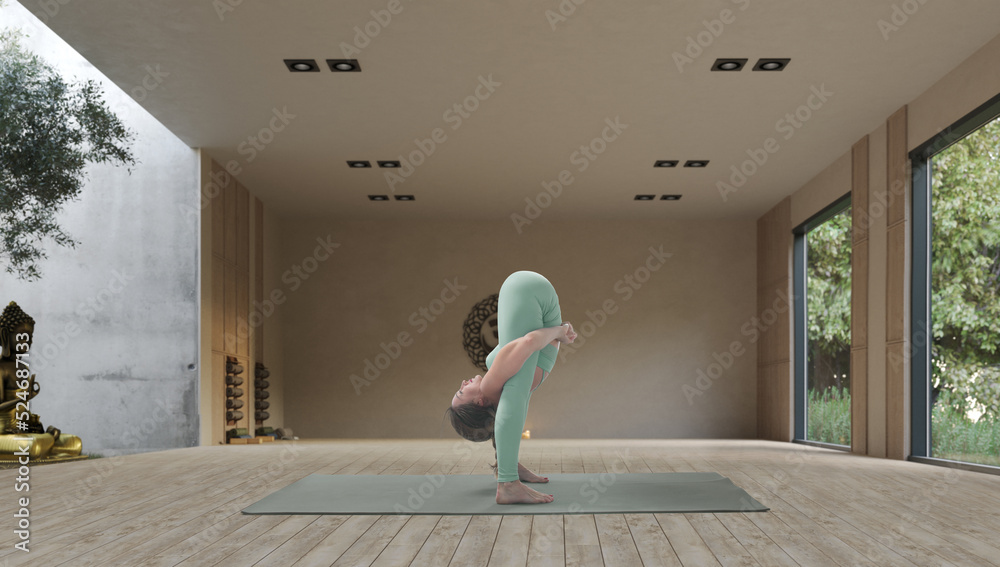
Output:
x=475 y=423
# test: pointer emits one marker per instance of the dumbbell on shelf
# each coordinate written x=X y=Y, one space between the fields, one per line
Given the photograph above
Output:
x=260 y=392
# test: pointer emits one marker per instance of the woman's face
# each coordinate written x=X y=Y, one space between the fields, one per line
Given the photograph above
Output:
x=469 y=391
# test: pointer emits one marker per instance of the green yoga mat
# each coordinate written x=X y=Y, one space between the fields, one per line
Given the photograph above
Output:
x=589 y=493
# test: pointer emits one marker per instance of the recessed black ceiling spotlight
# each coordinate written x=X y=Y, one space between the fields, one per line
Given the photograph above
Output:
x=665 y=163
x=645 y=197
x=357 y=164
x=378 y=197
x=771 y=65
x=405 y=198
x=302 y=65
x=389 y=163
x=344 y=65
x=670 y=198
x=729 y=64
x=696 y=163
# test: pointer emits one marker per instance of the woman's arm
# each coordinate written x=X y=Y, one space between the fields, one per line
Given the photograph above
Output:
x=512 y=356
x=508 y=361
x=542 y=337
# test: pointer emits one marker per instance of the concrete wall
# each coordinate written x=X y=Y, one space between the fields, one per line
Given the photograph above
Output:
x=116 y=317
x=973 y=82
x=625 y=378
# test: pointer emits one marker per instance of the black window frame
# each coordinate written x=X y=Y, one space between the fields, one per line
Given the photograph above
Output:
x=800 y=352
x=920 y=296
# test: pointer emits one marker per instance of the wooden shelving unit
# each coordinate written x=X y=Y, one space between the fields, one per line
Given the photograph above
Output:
x=236 y=274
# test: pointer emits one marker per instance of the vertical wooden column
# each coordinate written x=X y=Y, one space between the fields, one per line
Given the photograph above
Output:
x=230 y=329
x=860 y=224
x=242 y=266
x=897 y=295
x=258 y=270
x=774 y=308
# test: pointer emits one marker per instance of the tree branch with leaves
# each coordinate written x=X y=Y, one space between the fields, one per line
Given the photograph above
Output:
x=50 y=130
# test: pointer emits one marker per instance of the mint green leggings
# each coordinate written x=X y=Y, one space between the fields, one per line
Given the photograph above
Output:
x=527 y=302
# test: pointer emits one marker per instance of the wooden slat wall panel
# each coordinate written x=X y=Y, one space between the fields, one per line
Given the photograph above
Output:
x=219 y=213
x=774 y=230
x=218 y=417
x=218 y=304
x=218 y=204
x=231 y=218
x=230 y=223
x=897 y=291
x=773 y=306
x=774 y=381
x=860 y=219
x=242 y=228
x=860 y=215
x=258 y=331
x=896 y=401
x=859 y=401
x=897 y=167
x=774 y=422
x=897 y=171
x=859 y=295
x=242 y=307
x=895 y=307
x=897 y=390
x=230 y=303
x=258 y=217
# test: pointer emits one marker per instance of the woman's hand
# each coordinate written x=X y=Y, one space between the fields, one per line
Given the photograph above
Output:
x=569 y=335
x=549 y=335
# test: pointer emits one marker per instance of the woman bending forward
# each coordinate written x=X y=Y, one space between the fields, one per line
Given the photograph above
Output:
x=495 y=406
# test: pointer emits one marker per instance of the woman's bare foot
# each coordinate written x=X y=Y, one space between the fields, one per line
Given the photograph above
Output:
x=527 y=476
x=516 y=493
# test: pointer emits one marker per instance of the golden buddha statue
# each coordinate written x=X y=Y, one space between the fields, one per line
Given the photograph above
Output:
x=20 y=430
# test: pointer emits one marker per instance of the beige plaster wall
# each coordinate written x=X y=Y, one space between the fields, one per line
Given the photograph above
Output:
x=626 y=376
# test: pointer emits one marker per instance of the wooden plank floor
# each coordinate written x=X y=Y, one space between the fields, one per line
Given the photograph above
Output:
x=182 y=507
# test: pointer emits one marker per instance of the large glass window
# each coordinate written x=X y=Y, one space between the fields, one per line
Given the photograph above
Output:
x=965 y=298
x=822 y=280
x=828 y=316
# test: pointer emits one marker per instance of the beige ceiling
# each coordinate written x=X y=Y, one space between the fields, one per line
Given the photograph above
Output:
x=222 y=79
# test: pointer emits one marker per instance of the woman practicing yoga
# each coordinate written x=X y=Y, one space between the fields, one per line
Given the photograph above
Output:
x=495 y=406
